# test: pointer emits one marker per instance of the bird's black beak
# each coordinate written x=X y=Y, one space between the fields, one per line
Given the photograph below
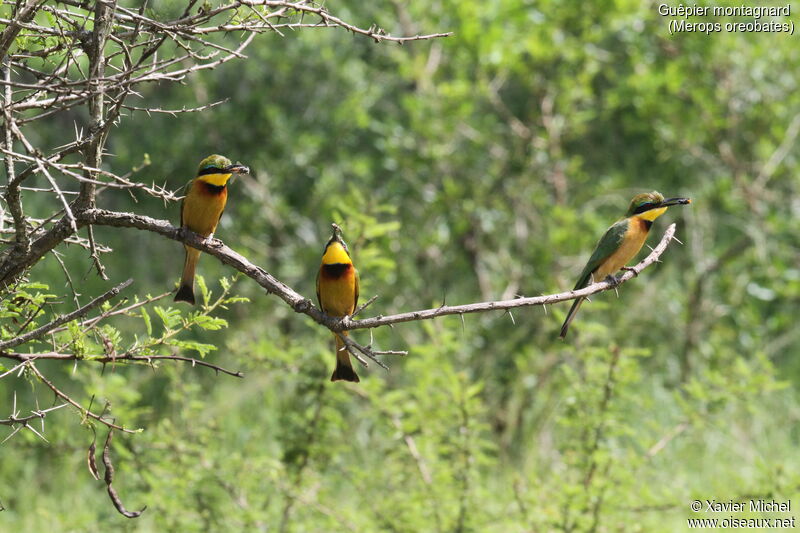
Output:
x=238 y=169
x=675 y=201
x=337 y=233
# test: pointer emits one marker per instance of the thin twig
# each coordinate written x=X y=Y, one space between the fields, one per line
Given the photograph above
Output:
x=39 y=413
x=16 y=356
x=113 y=312
x=63 y=319
x=72 y=402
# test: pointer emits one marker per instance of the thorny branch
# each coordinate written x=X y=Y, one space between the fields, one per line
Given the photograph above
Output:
x=303 y=305
x=73 y=403
x=23 y=422
x=148 y=359
x=36 y=414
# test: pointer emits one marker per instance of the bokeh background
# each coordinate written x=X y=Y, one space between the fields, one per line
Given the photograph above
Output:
x=480 y=166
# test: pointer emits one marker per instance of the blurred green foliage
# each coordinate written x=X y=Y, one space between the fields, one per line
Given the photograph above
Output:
x=480 y=166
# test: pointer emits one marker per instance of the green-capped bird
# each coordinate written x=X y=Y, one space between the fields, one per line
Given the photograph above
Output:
x=621 y=242
x=201 y=210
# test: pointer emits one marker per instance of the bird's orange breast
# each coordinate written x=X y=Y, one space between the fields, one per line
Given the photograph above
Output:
x=203 y=206
x=337 y=288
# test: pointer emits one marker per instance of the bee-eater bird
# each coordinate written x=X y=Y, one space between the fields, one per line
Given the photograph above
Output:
x=337 y=292
x=621 y=242
x=201 y=210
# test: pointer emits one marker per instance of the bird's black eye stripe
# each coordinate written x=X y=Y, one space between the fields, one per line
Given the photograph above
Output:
x=210 y=170
x=644 y=207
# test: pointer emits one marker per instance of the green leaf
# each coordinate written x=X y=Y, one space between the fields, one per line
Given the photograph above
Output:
x=210 y=322
x=198 y=347
x=146 y=319
x=201 y=282
x=170 y=317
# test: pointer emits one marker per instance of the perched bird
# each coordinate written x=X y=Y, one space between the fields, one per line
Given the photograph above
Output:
x=337 y=292
x=621 y=243
x=201 y=210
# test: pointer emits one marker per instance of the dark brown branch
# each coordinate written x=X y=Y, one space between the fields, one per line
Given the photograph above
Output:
x=695 y=323
x=101 y=270
x=15 y=264
x=355 y=349
x=608 y=392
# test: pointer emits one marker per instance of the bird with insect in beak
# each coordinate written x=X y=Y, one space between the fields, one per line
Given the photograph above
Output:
x=201 y=210
x=620 y=243
x=337 y=292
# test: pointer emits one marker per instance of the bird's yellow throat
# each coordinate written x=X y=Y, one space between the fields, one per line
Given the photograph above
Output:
x=652 y=214
x=215 y=179
x=335 y=253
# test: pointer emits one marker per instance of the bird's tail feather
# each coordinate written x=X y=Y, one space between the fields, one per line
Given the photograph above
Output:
x=344 y=368
x=570 y=316
x=186 y=290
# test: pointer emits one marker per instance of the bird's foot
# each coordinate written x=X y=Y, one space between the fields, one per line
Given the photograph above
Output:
x=213 y=242
x=630 y=269
x=612 y=280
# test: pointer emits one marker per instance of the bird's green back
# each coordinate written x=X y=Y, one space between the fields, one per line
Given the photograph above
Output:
x=607 y=245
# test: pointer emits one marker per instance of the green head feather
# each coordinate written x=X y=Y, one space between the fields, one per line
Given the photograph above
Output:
x=214 y=162
x=641 y=201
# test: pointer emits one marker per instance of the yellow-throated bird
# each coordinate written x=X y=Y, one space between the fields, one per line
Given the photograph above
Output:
x=201 y=210
x=337 y=292
x=621 y=243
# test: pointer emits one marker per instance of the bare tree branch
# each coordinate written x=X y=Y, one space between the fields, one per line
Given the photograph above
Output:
x=304 y=305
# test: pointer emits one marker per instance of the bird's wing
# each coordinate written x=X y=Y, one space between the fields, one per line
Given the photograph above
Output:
x=319 y=300
x=183 y=201
x=607 y=245
x=355 y=299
